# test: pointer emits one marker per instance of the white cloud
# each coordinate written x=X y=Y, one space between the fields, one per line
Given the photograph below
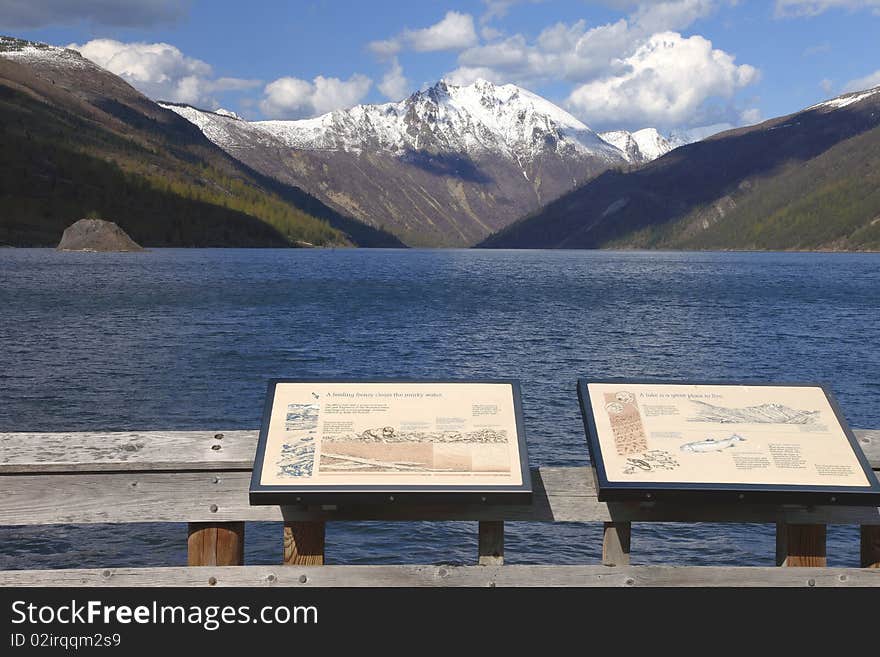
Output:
x=291 y=98
x=394 y=84
x=455 y=31
x=673 y=15
x=465 y=75
x=750 y=116
x=161 y=71
x=868 y=82
x=490 y=33
x=576 y=52
x=116 y=13
x=620 y=61
x=561 y=51
x=827 y=85
x=788 y=8
x=386 y=47
x=666 y=82
x=496 y=9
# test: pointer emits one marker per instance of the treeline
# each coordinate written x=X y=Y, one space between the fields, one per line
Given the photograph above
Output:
x=56 y=168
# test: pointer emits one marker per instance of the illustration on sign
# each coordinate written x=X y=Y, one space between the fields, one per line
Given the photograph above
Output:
x=725 y=435
x=330 y=435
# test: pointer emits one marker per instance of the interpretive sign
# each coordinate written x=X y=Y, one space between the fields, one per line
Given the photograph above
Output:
x=752 y=442
x=328 y=442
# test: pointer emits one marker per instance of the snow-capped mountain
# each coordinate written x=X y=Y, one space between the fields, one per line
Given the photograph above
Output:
x=643 y=145
x=34 y=52
x=482 y=117
x=505 y=120
x=446 y=166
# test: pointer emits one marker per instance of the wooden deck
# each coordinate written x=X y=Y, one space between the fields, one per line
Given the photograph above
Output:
x=202 y=478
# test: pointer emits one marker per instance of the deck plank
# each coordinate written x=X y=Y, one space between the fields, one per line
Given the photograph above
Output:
x=561 y=495
x=445 y=576
x=174 y=450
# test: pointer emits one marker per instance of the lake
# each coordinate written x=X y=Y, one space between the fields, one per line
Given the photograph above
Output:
x=186 y=339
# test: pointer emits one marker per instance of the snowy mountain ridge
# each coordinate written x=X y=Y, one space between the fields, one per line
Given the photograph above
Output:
x=643 y=145
x=503 y=119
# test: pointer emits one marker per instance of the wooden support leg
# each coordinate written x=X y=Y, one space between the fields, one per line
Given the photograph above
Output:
x=800 y=545
x=491 y=548
x=215 y=544
x=615 y=543
x=304 y=543
x=870 y=546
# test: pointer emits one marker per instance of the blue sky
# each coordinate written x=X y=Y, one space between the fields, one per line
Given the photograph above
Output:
x=673 y=64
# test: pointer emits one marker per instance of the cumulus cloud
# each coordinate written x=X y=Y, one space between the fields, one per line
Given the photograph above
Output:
x=666 y=82
x=386 y=47
x=750 y=116
x=570 y=52
x=394 y=84
x=789 y=8
x=672 y=15
x=116 y=13
x=496 y=9
x=868 y=82
x=619 y=62
x=455 y=31
x=292 y=98
x=577 y=52
x=161 y=71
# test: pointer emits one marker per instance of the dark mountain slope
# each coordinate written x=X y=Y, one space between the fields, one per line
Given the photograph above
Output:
x=76 y=139
x=804 y=181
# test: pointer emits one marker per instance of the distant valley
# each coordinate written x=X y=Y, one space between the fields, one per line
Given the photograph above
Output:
x=445 y=167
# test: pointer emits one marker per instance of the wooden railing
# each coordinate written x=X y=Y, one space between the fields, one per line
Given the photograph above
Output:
x=202 y=478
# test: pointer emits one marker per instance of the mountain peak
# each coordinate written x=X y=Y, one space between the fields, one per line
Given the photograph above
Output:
x=642 y=145
x=35 y=52
x=505 y=120
x=228 y=114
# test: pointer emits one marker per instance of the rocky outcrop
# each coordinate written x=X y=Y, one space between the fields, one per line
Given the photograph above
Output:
x=96 y=235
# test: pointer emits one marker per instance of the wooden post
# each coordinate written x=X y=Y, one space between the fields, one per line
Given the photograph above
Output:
x=870 y=546
x=304 y=543
x=215 y=544
x=781 y=543
x=615 y=543
x=491 y=543
x=800 y=545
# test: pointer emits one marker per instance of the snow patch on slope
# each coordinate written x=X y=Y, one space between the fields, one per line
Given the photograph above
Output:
x=846 y=99
x=32 y=52
x=228 y=113
x=641 y=146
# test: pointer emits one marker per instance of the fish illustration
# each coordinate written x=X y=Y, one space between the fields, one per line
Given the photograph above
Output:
x=712 y=445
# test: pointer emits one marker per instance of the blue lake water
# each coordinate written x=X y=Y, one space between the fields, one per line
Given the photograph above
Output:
x=176 y=338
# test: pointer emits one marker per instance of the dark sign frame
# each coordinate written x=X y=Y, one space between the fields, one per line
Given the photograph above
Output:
x=292 y=494
x=709 y=492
